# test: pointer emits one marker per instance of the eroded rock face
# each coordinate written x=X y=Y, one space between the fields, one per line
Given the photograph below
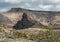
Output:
x=46 y=18
x=25 y=22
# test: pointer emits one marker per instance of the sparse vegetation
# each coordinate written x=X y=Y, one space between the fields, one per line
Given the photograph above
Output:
x=42 y=36
x=47 y=36
x=18 y=34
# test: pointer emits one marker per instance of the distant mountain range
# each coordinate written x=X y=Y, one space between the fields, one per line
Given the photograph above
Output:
x=15 y=17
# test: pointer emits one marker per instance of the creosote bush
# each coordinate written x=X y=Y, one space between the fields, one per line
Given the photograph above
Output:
x=18 y=34
x=42 y=36
x=46 y=36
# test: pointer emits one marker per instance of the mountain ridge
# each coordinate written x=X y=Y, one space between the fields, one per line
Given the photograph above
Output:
x=46 y=18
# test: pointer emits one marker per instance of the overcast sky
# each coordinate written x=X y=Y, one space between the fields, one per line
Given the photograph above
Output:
x=44 y=5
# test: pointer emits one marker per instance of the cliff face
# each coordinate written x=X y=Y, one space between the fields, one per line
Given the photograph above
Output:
x=46 y=18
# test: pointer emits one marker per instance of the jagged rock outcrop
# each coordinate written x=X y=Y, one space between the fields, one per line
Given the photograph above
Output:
x=46 y=18
x=25 y=22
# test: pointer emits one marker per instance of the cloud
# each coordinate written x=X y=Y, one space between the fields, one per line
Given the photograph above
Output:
x=52 y=5
x=27 y=4
x=16 y=1
x=3 y=10
x=34 y=0
x=57 y=8
x=45 y=7
x=13 y=1
x=55 y=1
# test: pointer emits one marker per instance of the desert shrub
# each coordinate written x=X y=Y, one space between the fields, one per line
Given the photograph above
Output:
x=45 y=36
x=48 y=36
x=18 y=34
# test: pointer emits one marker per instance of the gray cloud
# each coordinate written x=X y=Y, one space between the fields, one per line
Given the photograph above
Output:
x=47 y=5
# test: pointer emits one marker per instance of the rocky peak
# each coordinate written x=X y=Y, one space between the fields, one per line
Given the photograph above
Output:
x=24 y=17
x=24 y=22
